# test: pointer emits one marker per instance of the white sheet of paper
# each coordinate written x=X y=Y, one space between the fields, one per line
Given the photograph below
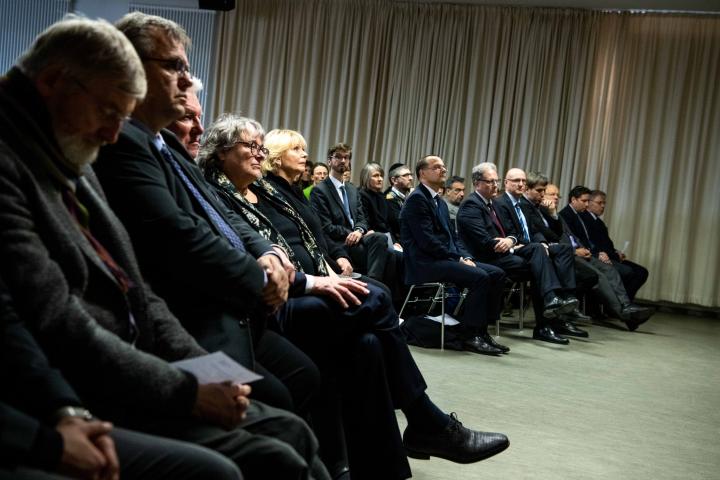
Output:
x=449 y=319
x=625 y=246
x=217 y=368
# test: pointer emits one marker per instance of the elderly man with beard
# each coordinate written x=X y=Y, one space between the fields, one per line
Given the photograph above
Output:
x=73 y=280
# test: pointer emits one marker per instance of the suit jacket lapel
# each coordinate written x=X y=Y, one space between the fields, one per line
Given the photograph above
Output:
x=332 y=191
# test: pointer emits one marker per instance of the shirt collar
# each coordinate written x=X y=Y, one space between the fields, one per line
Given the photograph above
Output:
x=433 y=193
x=336 y=182
x=398 y=193
x=484 y=200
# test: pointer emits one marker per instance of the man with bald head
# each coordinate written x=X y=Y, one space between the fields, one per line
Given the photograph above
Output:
x=433 y=253
x=189 y=128
x=500 y=232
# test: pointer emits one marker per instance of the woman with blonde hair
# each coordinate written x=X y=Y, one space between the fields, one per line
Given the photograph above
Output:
x=359 y=344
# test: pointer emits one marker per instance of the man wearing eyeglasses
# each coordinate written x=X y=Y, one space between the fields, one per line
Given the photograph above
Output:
x=401 y=182
x=216 y=274
x=498 y=242
x=344 y=221
x=433 y=253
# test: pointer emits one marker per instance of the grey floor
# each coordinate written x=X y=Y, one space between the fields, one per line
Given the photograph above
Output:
x=619 y=405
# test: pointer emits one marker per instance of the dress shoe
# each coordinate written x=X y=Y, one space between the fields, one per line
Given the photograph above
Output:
x=635 y=312
x=546 y=334
x=568 y=328
x=480 y=345
x=551 y=308
x=568 y=304
x=455 y=443
x=576 y=315
x=639 y=316
x=490 y=340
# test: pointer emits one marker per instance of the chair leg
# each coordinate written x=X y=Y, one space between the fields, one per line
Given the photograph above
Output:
x=406 y=300
x=522 y=304
x=442 y=318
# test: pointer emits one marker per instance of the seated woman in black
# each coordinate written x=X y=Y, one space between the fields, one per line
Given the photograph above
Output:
x=373 y=201
x=361 y=342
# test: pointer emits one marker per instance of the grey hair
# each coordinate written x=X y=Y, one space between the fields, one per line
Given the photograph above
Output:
x=197 y=85
x=223 y=134
x=86 y=49
x=138 y=27
x=366 y=174
x=478 y=171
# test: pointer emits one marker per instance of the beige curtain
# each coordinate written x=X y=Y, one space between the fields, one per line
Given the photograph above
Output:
x=625 y=103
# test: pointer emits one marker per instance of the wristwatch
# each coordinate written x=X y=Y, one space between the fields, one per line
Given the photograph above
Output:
x=70 y=411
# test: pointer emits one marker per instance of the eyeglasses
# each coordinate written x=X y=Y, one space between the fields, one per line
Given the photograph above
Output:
x=516 y=180
x=340 y=158
x=108 y=114
x=177 y=65
x=490 y=182
x=436 y=167
x=254 y=148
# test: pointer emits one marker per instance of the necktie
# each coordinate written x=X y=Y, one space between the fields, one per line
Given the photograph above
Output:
x=346 y=206
x=495 y=218
x=521 y=217
x=214 y=215
x=82 y=219
x=587 y=235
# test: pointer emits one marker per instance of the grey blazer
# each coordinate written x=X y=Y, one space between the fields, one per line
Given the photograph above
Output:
x=62 y=289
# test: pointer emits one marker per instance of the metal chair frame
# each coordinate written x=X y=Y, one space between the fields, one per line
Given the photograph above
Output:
x=440 y=296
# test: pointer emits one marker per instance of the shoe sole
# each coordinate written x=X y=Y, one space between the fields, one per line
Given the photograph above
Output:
x=485 y=455
x=551 y=341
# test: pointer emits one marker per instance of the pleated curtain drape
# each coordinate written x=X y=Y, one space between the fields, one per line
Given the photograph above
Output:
x=624 y=102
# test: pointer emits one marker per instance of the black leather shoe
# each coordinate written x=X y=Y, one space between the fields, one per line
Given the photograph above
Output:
x=568 y=328
x=490 y=340
x=551 y=308
x=456 y=443
x=638 y=316
x=480 y=345
x=546 y=334
x=568 y=305
x=576 y=315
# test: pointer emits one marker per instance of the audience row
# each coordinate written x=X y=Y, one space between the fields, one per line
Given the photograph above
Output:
x=116 y=269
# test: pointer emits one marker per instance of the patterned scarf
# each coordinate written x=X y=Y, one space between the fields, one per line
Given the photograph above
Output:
x=265 y=190
x=257 y=220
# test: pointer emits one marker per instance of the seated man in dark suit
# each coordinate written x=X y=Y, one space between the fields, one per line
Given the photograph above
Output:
x=45 y=427
x=619 y=304
x=71 y=268
x=453 y=196
x=551 y=265
x=540 y=199
x=401 y=182
x=633 y=275
x=338 y=206
x=433 y=253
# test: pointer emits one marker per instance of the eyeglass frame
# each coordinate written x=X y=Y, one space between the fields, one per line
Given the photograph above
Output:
x=489 y=182
x=253 y=146
x=110 y=114
x=176 y=64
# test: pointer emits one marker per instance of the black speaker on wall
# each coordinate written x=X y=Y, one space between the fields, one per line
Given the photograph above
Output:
x=224 y=5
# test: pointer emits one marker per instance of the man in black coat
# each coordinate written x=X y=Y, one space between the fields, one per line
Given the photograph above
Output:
x=619 y=302
x=71 y=269
x=633 y=275
x=401 y=182
x=433 y=253
x=551 y=265
x=44 y=426
x=343 y=218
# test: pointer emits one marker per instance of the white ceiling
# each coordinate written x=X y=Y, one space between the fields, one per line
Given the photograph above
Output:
x=709 y=6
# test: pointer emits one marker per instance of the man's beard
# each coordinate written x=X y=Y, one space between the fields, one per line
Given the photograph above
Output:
x=78 y=151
